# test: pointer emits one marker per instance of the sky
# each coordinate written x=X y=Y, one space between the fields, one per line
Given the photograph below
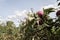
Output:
x=9 y=8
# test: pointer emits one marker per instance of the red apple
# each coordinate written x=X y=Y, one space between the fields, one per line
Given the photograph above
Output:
x=58 y=13
x=40 y=13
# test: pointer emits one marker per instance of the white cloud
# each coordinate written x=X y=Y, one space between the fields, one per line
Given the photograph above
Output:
x=18 y=16
x=18 y=13
x=11 y=16
x=51 y=6
x=25 y=11
x=1 y=18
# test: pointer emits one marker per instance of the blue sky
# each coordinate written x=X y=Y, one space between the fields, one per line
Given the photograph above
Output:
x=7 y=7
x=10 y=7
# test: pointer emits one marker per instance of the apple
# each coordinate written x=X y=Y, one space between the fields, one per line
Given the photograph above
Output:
x=58 y=13
x=40 y=13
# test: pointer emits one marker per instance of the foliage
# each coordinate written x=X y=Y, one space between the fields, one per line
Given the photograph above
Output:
x=34 y=28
